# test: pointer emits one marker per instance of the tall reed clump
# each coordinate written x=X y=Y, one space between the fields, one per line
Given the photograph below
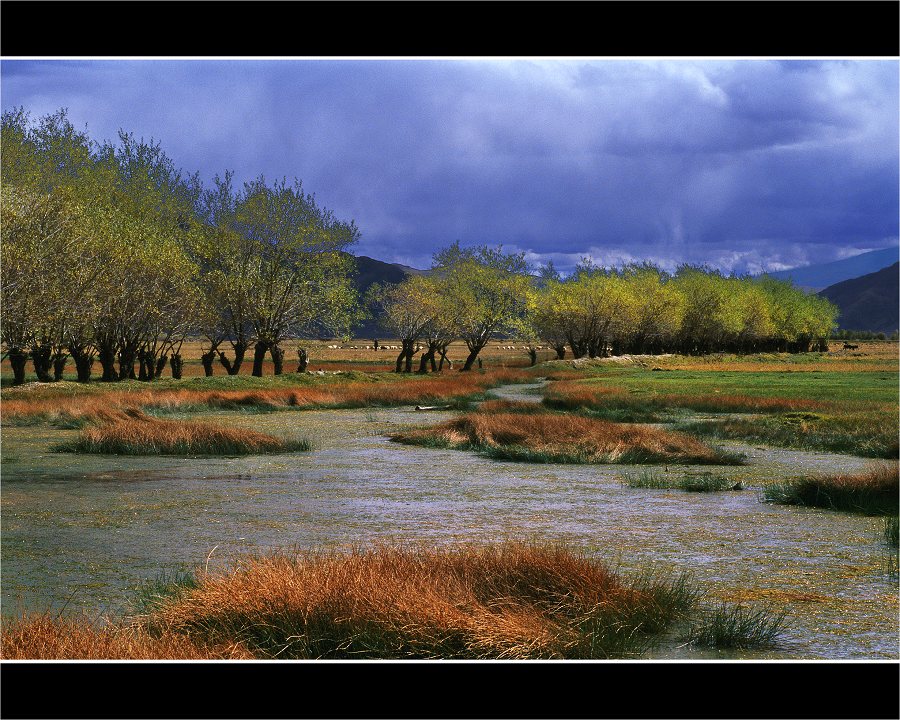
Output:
x=139 y=434
x=551 y=437
x=512 y=600
x=735 y=626
x=891 y=531
x=874 y=492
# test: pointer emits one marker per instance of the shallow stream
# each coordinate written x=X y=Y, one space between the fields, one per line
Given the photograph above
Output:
x=80 y=532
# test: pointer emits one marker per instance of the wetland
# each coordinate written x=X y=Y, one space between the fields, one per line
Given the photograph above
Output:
x=81 y=533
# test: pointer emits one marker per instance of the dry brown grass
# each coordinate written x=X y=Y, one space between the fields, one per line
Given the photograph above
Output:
x=43 y=637
x=106 y=403
x=134 y=433
x=882 y=477
x=553 y=437
x=508 y=601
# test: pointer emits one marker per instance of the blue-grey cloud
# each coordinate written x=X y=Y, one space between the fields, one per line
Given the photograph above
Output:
x=748 y=165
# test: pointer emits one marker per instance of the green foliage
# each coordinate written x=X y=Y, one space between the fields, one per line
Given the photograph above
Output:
x=642 y=309
x=490 y=290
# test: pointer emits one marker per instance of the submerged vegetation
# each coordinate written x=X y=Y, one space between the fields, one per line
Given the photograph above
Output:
x=557 y=438
x=690 y=482
x=511 y=600
x=875 y=492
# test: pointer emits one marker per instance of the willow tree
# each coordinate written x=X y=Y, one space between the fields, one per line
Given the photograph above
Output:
x=442 y=327
x=490 y=289
x=273 y=266
x=50 y=270
x=406 y=309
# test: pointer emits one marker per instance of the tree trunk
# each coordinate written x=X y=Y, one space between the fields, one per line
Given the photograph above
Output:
x=126 y=365
x=207 y=359
x=303 y=360
x=470 y=360
x=410 y=351
x=161 y=364
x=108 y=362
x=428 y=358
x=176 y=362
x=233 y=368
x=560 y=351
x=259 y=355
x=400 y=357
x=59 y=365
x=145 y=366
x=83 y=362
x=41 y=359
x=18 y=358
x=532 y=353
x=277 y=358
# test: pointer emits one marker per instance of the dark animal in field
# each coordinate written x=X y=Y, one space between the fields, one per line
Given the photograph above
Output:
x=848 y=346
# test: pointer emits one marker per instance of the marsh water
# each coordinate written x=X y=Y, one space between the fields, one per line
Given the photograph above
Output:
x=79 y=533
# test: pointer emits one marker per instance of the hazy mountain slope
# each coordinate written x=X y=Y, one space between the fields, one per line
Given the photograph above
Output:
x=870 y=302
x=823 y=275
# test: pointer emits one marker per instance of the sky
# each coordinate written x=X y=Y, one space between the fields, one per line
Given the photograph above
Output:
x=744 y=165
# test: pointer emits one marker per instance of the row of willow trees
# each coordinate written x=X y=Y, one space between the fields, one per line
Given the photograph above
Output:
x=479 y=293
x=111 y=254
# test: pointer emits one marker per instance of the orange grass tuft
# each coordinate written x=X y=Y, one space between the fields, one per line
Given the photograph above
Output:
x=508 y=601
x=137 y=434
x=42 y=637
x=562 y=438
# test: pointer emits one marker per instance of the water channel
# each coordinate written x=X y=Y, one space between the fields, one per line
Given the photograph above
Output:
x=80 y=532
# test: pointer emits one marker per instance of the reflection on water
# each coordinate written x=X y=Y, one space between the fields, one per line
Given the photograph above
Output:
x=82 y=531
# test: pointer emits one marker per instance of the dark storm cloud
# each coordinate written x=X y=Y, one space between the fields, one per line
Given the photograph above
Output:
x=748 y=165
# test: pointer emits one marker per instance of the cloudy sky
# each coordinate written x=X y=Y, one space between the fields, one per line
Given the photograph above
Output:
x=747 y=165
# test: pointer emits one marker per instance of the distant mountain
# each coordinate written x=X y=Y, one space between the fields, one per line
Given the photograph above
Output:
x=817 y=277
x=870 y=302
x=370 y=271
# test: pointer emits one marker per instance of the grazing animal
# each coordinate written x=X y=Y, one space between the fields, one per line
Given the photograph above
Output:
x=848 y=346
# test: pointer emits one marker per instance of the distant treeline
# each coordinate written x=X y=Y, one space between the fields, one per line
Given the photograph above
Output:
x=111 y=253
x=864 y=335
x=477 y=293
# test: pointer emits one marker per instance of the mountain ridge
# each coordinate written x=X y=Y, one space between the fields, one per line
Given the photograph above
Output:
x=870 y=302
